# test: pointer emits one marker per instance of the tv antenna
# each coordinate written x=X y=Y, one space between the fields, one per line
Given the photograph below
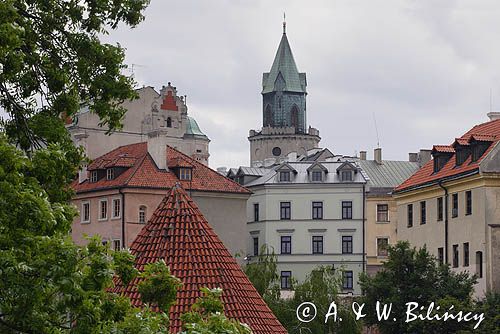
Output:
x=376 y=130
x=491 y=99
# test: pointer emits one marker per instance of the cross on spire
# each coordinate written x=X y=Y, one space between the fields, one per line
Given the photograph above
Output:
x=284 y=23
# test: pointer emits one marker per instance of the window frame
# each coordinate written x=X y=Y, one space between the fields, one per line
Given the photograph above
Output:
x=110 y=173
x=454 y=205
x=468 y=202
x=256 y=212
x=347 y=244
x=379 y=212
x=386 y=247
x=142 y=209
x=440 y=209
x=114 y=244
x=347 y=280
x=315 y=173
x=286 y=244
x=82 y=217
x=282 y=173
x=185 y=174
x=286 y=277
x=94 y=177
x=466 y=254
x=113 y=208
x=317 y=210
x=317 y=244
x=285 y=210
x=423 y=212
x=345 y=173
x=255 y=241
x=479 y=264
x=441 y=255
x=456 y=256
x=100 y=216
x=347 y=209
x=409 y=215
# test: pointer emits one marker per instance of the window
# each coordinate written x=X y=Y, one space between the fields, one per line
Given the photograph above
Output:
x=276 y=151
x=347 y=280
x=440 y=209
x=169 y=122
x=382 y=247
x=455 y=256
x=285 y=176
x=93 y=176
x=410 y=215
x=255 y=246
x=468 y=202
x=117 y=207
x=466 y=254
x=110 y=174
x=103 y=209
x=142 y=214
x=85 y=212
x=346 y=175
x=346 y=210
x=286 y=280
x=441 y=255
x=286 y=245
x=185 y=174
x=317 y=244
x=454 y=207
x=317 y=210
x=317 y=176
x=423 y=213
x=285 y=210
x=346 y=244
x=117 y=244
x=256 y=212
x=479 y=264
x=382 y=212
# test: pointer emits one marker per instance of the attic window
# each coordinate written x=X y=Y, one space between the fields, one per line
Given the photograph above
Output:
x=478 y=150
x=440 y=161
x=185 y=174
x=93 y=176
x=316 y=176
x=110 y=174
x=346 y=175
x=461 y=155
x=285 y=176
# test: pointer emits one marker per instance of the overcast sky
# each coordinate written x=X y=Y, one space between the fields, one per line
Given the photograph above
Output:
x=423 y=69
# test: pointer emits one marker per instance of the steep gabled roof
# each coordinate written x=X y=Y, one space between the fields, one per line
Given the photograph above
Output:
x=284 y=64
x=179 y=234
x=143 y=173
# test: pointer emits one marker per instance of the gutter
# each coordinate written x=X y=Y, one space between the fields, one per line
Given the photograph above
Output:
x=364 y=243
x=123 y=217
x=437 y=181
x=440 y=184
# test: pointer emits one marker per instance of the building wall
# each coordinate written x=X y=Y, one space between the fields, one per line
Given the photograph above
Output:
x=301 y=227
x=225 y=212
x=461 y=229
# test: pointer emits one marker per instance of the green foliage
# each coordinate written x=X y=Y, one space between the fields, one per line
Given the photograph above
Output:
x=263 y=272
x=490 y=306
x=411 y=275
x=207 y=316
x=124 y=266
x=158 y=287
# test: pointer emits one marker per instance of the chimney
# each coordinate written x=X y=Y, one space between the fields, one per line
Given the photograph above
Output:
x=362 y=155
x=423 y=157
x=493 y=115
x=82 y=174
x=412 y=157
x=157 y=147
x=377 y=155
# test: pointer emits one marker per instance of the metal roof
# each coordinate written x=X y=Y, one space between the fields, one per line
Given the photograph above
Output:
x=388 y=174
x=253 y=171
x=193 y=129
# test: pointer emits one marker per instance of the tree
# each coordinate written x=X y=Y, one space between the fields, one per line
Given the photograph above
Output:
x=490 y=306
x=411 y=275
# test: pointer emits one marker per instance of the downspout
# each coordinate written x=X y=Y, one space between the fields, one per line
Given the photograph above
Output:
x=123 y=218
x=440 y=184
x=364 y=243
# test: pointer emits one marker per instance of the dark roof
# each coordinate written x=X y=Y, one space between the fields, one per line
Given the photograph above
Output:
x=179 y=234
x=388 y=174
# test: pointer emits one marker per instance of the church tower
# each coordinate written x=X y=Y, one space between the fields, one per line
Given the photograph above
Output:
x=283 y=111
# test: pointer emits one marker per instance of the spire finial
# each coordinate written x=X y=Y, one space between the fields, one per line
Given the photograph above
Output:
x=284 y=23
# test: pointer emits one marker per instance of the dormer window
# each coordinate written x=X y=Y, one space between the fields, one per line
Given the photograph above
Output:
x=110 y=174
x=185 y=174
x=462 y=153
x=93 y=176
x=317 y=176
x=478 y=149
x=346 y=175
x=285 y=176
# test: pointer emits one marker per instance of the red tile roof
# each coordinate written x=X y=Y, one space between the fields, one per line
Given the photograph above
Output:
x=142 y=172
x=443 y=148
x=179 y=234
x=489 y=131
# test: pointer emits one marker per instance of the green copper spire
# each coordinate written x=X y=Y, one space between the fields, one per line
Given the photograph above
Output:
x=284 y=64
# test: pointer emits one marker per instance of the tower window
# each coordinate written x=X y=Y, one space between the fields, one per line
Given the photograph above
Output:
x=276 y=151
x=169 y=122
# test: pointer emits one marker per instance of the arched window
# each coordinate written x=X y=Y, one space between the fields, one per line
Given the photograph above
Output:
x=142 y=214
x=169 y=122
x=268 y=116
x=294 y=118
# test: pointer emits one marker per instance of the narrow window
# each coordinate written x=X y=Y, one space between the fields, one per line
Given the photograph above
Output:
x=116 y=208
x=169 y=122
x=286 y=280
x=382 y=247
x=85 y=212
x=93 y=176
x=185 y=174
x=286 y=244
x=441 y=255
x=317 y=176
x=454 y=207
x=317 y=210
x=255 y=246
x=346 y=175
x=110 y=174
x=455 y=256
x=317 y=244
x=423 y=213
x=479 y=264
x=142 y=214
x=285 y=210
x=117 y=244
x=468 y=202
x=382 y=212
x=410 y=215
x=347 y=280
x=256 y=212
x=466 y=254
x=285 y=176
x=346 y=244
x=103 y=210
x=440 y=209
x=346 y=210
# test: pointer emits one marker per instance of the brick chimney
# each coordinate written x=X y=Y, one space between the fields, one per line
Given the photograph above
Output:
x=362 y=155
x=377 y=155
x=412 y=157
x=493 y=115
x=157 y=147
x=423 y=157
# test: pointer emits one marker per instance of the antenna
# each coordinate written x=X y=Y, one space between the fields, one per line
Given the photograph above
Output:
x=284 y=22
x=491 y=107
x=376 y=130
